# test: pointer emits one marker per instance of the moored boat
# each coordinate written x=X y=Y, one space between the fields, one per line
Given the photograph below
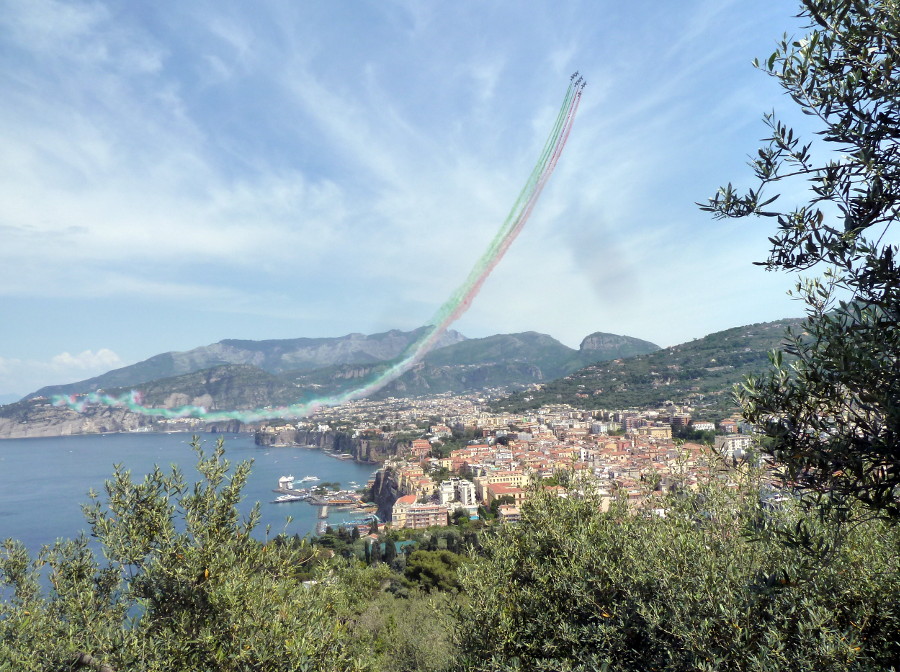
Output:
x=281 y=499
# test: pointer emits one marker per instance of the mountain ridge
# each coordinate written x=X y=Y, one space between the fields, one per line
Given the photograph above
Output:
x=271 y=355
x=701 y=373
x=305 y=355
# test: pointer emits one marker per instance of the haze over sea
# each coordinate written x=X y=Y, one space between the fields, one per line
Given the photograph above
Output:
x=44 y=482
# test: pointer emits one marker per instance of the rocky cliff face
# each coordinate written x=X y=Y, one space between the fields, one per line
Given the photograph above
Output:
x=363 y=450
x=385 y=491
x=46 y=420
x=272 y=356
x=32 y=419
x=600 y=346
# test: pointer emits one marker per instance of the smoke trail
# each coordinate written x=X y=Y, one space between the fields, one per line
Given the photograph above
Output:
x=458 y=302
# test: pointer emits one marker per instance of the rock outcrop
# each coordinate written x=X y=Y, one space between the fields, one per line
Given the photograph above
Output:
x=362 y=449
x=46 y=420
x=32 y=419
x=601 y=346
x=385 y=492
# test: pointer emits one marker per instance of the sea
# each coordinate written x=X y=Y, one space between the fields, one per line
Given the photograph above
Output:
x=45 y=481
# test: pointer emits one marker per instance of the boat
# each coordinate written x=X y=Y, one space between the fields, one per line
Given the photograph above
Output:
x=307 y=479
x=288 y=498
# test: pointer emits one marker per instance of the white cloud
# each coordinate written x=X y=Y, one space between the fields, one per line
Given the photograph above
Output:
x=347 y=166
x=104 y=359
x=22 y=376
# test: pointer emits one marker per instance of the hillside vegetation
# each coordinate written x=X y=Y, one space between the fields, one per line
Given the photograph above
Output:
x=258 y=375
x=184 y=582
x=701 y=373
x=272 y=356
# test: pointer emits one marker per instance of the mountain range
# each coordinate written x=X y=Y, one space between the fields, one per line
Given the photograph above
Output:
x=273 y=356
x=606 y=371
x=328 y=364
x=700 y=373
x=251 y=374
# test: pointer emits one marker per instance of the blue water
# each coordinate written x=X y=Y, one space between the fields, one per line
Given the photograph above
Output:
x=44 y=482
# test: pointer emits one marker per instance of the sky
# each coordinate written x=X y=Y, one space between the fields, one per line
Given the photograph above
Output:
x=173 y=174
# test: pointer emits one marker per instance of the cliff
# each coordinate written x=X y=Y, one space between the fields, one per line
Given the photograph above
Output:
x=271 y=356
x=21 y=421
x=362 y=449
x=36 y=418
x=385 y=491
x=601 y=346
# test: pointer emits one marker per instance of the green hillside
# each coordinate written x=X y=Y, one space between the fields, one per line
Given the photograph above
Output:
x=274 y=356
x=553 y=358
x=502 y=360
x=227 y=387
x=701 y=373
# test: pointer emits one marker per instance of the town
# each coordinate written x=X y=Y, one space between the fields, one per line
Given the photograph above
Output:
x=454 y=457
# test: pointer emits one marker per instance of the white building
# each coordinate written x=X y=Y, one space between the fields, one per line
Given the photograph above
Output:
x=465 y=492
x=457 y=490
x=733 y=446
x=447 y=492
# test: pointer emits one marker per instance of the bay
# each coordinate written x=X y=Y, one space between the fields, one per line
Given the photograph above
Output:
x=44 y=481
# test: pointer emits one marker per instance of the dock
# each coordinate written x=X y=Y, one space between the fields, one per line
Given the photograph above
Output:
x=323 y=512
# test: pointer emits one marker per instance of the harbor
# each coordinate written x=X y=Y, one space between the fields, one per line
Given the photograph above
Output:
x=38 y=510
x=345 y=501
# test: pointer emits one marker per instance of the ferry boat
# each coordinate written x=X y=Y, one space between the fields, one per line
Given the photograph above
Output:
x=281 y=499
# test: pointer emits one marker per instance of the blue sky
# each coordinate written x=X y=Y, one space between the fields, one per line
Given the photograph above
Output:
x=174 y=173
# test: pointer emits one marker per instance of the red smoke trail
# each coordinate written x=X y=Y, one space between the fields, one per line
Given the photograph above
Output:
x=456 y=305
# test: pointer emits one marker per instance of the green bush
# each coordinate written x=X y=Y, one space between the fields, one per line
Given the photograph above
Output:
x=708 y=586
x=184 y=586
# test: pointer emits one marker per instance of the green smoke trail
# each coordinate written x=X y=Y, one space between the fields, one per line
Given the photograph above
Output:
x=458 y=302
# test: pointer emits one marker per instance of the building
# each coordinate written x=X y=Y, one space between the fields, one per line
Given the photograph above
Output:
x=496 y=490
x=398 y=512
x=735 y=446
x=656 y=431
x=680 y=420
x=728 y=426
x=447 y=492
x=457 y=490
x=420 y=448
x=509 y=512
x=465 y=492
x=516 y=478
x=408 y=514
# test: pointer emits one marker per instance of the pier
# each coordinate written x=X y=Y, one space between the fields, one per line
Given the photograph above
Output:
x=323 y=512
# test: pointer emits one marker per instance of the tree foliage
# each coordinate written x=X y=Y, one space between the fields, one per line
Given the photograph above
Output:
x=586 y=590
x=183 y=586
x=832 y=415
x=434 y=570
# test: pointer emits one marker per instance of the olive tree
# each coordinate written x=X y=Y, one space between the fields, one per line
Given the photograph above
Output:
x=830 y=407
x=183 y=584
x=704 y=587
